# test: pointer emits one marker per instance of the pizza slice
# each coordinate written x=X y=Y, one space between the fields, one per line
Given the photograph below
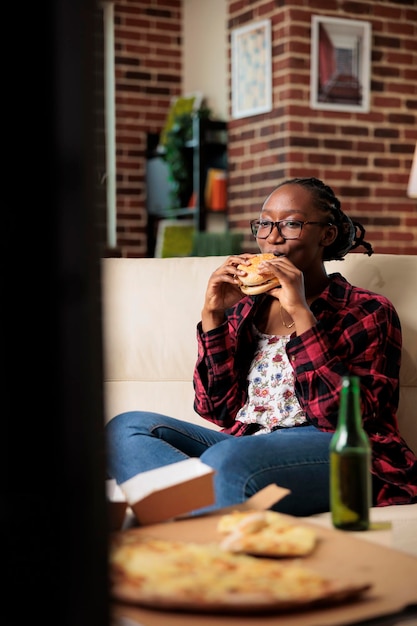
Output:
x=265 y=533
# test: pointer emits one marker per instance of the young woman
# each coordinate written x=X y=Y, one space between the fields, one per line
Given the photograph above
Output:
x=269 y=369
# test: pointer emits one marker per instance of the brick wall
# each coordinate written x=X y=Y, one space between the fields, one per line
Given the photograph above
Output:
x=148 y=67
x=365 y=157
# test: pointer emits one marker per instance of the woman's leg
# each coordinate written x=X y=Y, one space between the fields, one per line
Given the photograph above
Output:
x=295 y=458
x=138 y=441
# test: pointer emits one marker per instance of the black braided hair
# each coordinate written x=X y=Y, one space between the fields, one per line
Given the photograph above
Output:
x=350 y=234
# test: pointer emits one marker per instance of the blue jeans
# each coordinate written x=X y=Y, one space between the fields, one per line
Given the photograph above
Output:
x=296 y=458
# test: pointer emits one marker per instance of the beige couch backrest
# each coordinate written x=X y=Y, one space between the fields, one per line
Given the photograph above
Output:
x=151 y=308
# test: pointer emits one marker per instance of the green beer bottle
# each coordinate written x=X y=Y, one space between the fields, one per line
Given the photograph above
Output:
x=350 y=463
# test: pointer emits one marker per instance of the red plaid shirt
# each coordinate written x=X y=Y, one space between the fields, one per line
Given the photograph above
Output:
x=357 y=332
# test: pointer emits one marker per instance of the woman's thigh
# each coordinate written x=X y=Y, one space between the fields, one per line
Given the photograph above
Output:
x=138 y=441
x=294 y=458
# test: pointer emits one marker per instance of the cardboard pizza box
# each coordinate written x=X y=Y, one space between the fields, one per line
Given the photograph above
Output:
x=117 y=507
x=162 y=494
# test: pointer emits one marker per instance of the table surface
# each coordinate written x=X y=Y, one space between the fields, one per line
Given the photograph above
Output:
x=393 y=528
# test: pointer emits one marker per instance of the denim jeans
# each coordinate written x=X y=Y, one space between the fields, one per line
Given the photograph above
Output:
x=296 y=458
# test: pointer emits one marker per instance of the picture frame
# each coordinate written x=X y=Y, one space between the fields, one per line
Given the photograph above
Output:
x=251 y=69
x=340 y=64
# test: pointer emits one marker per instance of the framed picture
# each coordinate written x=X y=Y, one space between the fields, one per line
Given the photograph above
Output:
x=340 y=64
x=251 y=69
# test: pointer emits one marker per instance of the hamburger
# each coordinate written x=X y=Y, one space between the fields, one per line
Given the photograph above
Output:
x=253 y=283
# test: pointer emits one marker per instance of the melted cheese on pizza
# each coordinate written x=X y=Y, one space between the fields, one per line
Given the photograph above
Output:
x=265 y=533
x=208 y=574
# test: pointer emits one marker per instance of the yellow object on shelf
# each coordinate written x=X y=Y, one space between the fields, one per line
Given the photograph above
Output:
x=174 y=238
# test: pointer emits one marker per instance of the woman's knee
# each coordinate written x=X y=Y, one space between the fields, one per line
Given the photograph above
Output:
x=121 y=421
x=224 y=456
x=129 y=424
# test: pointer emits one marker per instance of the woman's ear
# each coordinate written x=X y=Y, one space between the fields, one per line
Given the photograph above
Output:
x=329 y=235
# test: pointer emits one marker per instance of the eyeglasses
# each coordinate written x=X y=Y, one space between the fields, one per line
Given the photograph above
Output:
x=288 y=229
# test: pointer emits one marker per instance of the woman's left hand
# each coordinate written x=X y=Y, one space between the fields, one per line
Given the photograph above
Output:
x=291 y=292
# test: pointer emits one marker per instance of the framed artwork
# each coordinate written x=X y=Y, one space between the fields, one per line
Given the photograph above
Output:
x=251 y=69
x=340 y=64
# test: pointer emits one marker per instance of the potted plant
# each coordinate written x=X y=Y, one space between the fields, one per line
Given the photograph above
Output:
x=179 y=157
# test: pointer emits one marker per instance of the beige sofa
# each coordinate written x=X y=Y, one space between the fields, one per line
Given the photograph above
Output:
x=151 y=308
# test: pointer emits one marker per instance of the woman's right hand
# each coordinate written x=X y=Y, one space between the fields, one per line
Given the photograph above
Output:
x=223 y=291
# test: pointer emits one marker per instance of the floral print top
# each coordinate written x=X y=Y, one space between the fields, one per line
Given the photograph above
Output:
x=271 y=401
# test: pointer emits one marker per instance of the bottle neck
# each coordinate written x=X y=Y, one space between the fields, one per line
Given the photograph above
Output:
x=350 y=432
x=349 y=408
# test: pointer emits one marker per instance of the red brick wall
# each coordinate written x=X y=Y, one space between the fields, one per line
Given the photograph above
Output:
x=148 y=67
x=365 y=157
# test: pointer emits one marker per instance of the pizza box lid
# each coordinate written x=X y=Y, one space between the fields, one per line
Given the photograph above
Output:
x=163 y=493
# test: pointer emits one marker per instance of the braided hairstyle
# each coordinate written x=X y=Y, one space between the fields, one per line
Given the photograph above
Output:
x=350 y=234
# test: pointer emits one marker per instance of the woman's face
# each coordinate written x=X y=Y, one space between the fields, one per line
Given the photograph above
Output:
x=293 y=202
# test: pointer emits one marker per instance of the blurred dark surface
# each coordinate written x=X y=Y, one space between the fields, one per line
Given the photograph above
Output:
x=53 y=514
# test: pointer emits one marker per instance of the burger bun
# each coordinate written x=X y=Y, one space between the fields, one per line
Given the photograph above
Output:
x=253 y=283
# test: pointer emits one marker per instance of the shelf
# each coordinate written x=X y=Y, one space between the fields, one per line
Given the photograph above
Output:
x=210 y=151
x=207 y=150
x=190 y=211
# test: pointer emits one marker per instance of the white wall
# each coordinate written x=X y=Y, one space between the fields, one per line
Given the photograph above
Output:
x=205 y=53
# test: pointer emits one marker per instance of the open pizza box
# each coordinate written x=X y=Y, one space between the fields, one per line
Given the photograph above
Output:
x=158 y=513
x=161 y=494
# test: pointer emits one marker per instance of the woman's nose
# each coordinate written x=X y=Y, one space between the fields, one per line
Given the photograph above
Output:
x=275 y=234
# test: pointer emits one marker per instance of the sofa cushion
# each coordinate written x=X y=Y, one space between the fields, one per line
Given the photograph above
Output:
x=151 y=308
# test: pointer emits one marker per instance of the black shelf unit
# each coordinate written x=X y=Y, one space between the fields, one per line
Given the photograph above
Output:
x=207 y=149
